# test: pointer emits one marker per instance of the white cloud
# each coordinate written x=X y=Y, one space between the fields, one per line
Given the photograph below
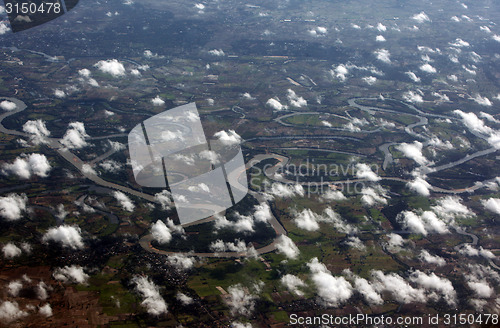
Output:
x=483 y=101
x=152 y=300
x=425 y=223
x=492 y=204
x=75 y=136
x=381 y=27
x=413 y=151
x=285 y=190
x=38 y=131
x=333 y=195
x=370 y=80
x=307 y=220
x=421 y=17
x=383 y=55
x=184 y=299
x=363 y=171
x=275 y=104
x=413 y=97
x=428 y=68
x=112 y=67
x=161 y=233
x=369 y=293
x=459 y=43
x=293 y=283
x=431 y=282
x=262 y=212
x=84 y=72
x=451 y=207
x=420 y=186
x=427 y=257
x=124 y=201
x=286 y=246
x=355 y=242
x=332 y=290
x=12 y=206
x=26 y=166
x=45 y=310
x=10 y=311
x=394 y=284
x=340 y=72
x=373 y=195
x=10 y=251
x=228 y=138
x=71 y=274
x=380 y=38
x=468 y=250
x=243 y=223
x=217 y=52
x=294 y=100
x=237 y=246
x=164 y=198
x=58 y=93
x=111 y=166
x=496 y=37
x=157 y=101
x=240 y=301
x=395 y=242
x=489 y=117
x=8 y=105
x=472 y=122
x=67 y=236
x=181 y=262
x=14 y=287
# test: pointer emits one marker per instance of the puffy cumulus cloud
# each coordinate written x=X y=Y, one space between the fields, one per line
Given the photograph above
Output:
x=162 y=232
x=333 y=195
x=394 y=242
x=381 y=27
x=489 y=117
x=217 y=52
x=45 y=310
x=37 y=129
x=413 y=151
x=399 y=289
x=88 y=169
x=318 y=31
x=293 y=284
x=84 y=72
x=111 y=166
x=14 y=287
x=412 y=97
x=10 y=251
x=75 y=136
x=295 y=100
x=427 y=257
x=124 y=201
x=355 y=242
x=240 y=300
x=380 y=38
x=332 y=290
x=71 y=274
x=275 y=104
x=483 y=101
x=451 y=207
x=372 y=196
x=459 y=43
x=286 y=246
x=184 y=299
x=413 y=77
x=228 y=138
x=262 y=212
x=67 y=236
x=26 y=166
x=433 y=283
x=243 y=223
x=421 y=17
x=12 y=206
x=472 y=122
x=152 y=300
x=10 y=311
x=492 y=204
x=237 y=246
x=285 y=190
x=425 y=223
x=468 y=250
x=237 y=324
x=112 y=67
x=164 y=198
x=370 y=80
x=181 y=262
x=340 y=72
x=364 y=171
x=307 y=220
x=428 y=68
x=157 y=101
x=383 y=55
x=368 y=292
x=436 y=142
x=420 y=186
x=8 y=105
x=496 y=37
